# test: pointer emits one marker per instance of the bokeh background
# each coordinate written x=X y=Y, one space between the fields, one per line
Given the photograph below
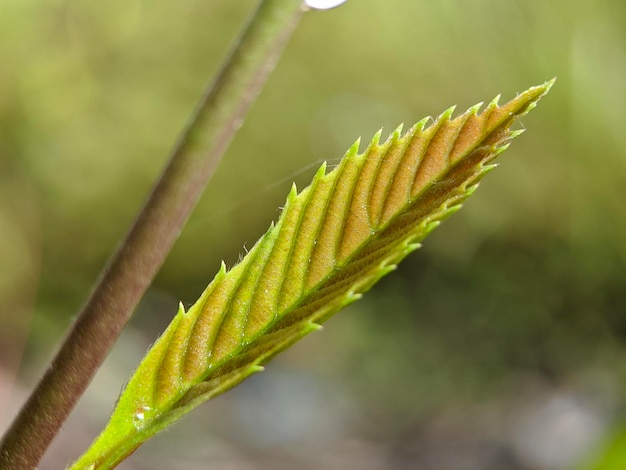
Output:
x=500 y=345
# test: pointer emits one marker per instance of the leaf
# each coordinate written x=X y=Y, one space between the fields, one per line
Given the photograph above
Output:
x=332 y=242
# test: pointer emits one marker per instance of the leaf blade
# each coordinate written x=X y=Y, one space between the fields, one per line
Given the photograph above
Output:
x=332 y=242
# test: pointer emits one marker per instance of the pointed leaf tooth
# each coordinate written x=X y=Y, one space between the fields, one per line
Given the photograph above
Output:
x=419 y=126
x=498 y=150
x=484 y=169
x=447 y=114
x=397 y=133
x=181 y=309
x=353 y=296
x=471 y=189
x=387 y=268
x=315 y=326
x=375 y=142
x=222 y=271
x=413 y=246
x=321 y=171
x=354 y=148
x=475 y=110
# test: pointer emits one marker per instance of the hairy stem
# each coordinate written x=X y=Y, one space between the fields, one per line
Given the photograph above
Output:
x=133 y=266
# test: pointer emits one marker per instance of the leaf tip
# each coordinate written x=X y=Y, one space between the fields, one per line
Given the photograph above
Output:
x=531 y=96
x=541 y=90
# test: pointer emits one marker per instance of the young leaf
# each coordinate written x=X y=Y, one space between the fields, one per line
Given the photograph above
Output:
x=332 y=242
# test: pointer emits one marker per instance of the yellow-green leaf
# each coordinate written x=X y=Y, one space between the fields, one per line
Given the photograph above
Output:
x=333 y=240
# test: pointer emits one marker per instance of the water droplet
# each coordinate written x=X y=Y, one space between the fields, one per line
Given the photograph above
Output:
x=324 y=4
x=140 y=416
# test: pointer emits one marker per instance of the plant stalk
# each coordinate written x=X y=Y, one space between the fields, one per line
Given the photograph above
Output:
x=133 y=266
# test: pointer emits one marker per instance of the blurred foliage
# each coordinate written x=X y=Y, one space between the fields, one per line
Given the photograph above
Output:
x=519 y=297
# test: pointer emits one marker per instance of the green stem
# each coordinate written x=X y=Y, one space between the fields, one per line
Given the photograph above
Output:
x=133 y=266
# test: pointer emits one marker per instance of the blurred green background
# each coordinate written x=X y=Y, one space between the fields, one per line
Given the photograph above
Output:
x=500 y=345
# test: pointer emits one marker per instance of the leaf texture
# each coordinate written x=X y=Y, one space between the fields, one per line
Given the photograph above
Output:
x=332 y=242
